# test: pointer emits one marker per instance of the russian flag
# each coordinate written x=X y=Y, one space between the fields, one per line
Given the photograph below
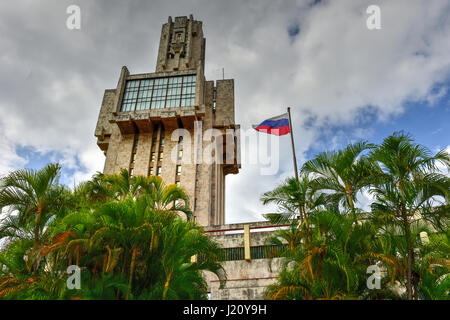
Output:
x=278 y=125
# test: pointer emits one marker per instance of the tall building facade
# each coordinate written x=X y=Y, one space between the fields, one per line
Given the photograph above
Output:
x=174 y=123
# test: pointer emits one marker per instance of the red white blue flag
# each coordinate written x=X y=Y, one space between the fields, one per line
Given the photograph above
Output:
x=278 y=125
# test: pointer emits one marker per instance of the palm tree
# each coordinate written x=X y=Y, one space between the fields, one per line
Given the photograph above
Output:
x=407 y=182
x=410 y=197
x=36 y=198
x=434 y=268
x=152 y=248
x=94 y=191
x=330 y=266
x=140 y=238
x=294 y=196
x=125 y=233
x=162 y=197
x=120 y=186
x=15 y=271
x=342 y=174
x=181 y=241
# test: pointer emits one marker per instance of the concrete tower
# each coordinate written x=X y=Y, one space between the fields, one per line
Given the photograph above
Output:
x=138 y=122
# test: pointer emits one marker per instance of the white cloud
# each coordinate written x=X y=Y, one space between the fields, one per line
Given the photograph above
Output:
x=9 y=159
x=335 y=68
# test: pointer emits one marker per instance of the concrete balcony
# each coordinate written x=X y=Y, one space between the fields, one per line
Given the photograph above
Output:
x=144 y=121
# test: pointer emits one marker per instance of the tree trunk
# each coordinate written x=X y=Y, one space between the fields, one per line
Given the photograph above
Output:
x=36 y=227
x=166 y=285
x=348 y=192
x=36 y=237
x=132 y=265
x=410 y=256
x=304 y=216
x=78 y=257
x=416 y=284
x=105 y=258
x=351 y=204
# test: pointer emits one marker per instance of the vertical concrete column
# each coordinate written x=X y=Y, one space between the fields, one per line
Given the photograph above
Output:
x=120 y=88
x=247 y=242
x=157 y=147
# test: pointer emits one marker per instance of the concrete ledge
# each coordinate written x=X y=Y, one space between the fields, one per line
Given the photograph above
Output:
x=240 y=226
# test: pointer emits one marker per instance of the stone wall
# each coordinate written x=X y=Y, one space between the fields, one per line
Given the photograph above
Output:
x=246 y=279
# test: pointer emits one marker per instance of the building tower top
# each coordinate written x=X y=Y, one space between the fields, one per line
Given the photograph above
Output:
x=139 y=123
x=182 y=45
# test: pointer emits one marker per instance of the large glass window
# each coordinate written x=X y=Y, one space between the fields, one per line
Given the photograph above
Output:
x=144 y=96
x=188 y=91
x=172 y=92
x=130 y=96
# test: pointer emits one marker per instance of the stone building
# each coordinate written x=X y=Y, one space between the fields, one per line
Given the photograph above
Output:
x=138 y=129
x=138 y=122
x=250 y=264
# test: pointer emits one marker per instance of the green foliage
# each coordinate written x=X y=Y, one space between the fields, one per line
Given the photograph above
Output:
x=333 y=243
x=125 y=233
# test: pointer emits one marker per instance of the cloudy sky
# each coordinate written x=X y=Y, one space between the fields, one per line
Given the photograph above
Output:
x=343 y=81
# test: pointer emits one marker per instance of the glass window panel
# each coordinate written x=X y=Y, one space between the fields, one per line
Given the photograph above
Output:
x=151 y=93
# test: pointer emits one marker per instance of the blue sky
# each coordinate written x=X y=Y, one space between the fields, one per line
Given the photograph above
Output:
x=428 y=125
